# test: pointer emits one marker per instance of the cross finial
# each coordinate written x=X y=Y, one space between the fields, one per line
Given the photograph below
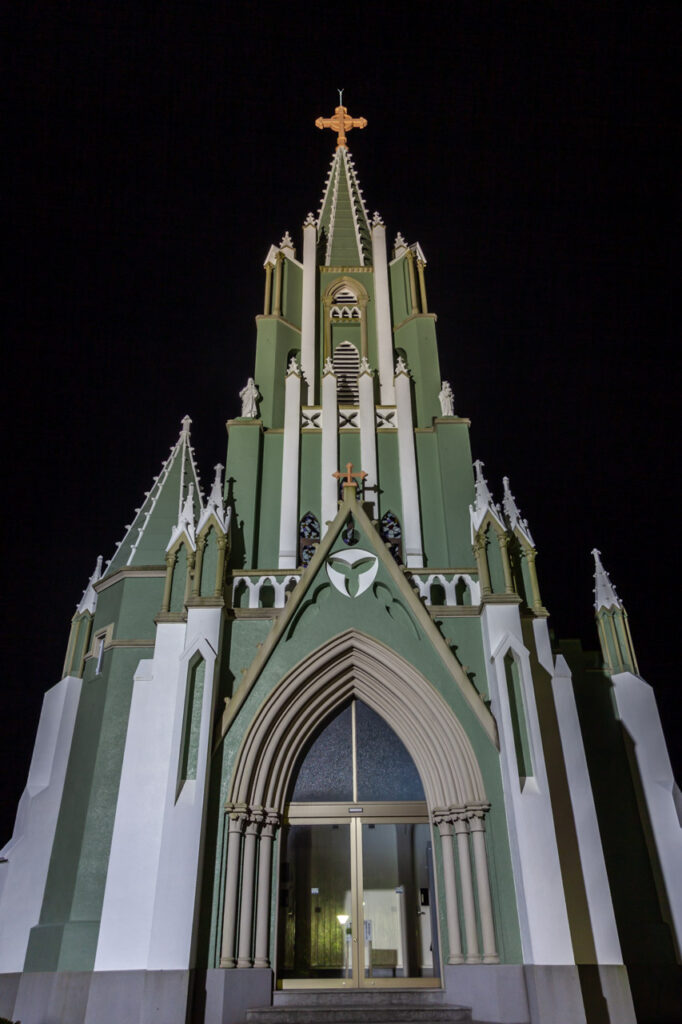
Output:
x=349 y=475
x=341 y=122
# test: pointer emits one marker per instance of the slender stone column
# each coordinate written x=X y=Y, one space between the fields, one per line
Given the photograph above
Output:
x=330 y=439
x=288 y=517
x=308 y=308
x=506 y=565
x=382 y=310
x=198 y=566
x=445 y=828
x=171 y=559
x=422 y=285
x=277 y=311
x=191 y=559
x=268 y=289
x=237 y=820
x=220 y=567
x=253 y=827
x=533 y=573
x=485 y=907
x=482 y=564
x=407 y=460
x=470 y=932
x=262 y=949
x=409 y=255
x=368 y=445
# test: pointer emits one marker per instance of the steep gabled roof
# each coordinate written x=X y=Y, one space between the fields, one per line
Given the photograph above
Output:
x=146 y=538
x=342 y=224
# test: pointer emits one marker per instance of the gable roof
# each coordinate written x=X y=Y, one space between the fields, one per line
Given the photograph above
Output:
x=428 y=629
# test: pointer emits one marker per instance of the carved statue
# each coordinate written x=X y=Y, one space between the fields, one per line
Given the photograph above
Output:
x=249 y=396
x=446 y=399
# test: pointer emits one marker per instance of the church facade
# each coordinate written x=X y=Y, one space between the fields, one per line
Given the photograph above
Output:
x=313 y=738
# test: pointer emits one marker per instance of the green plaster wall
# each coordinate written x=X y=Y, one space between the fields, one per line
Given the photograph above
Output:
x=66 y=936
x=417 y=338
x=310 y=474
x=431 y=501
x=267 y=556
x=388 y=473
x=209 y=566
x=457 y=487
x=292 y=289
x=401 y=304
x=275 y=339
x=243 y=488
x=179 y=584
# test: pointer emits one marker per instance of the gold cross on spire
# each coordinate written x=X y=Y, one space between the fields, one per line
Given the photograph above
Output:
x=341 y=122
x=349 y=475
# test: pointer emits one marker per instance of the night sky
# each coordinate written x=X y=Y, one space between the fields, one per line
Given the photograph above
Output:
x=154 y=157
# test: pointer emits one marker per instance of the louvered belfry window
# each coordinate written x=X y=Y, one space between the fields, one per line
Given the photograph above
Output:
x=346 y=363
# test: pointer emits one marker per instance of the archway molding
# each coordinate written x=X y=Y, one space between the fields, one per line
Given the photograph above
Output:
x=353 y=664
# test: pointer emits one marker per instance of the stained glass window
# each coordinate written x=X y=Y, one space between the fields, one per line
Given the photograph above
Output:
x=308 y=537
x=392 y=534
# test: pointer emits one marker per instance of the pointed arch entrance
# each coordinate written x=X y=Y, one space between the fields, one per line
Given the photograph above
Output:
x=353 y=666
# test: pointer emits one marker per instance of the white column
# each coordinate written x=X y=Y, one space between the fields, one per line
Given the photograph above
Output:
x=288 y=517
x=470 y=932
x=368 y=444
x=330 y=430
x=382 y=308
x=267 y=836
x=412 y=532
x=244 y=958
x=485 y=907
x=445 y=828
x=308 y=308
x=237 y=821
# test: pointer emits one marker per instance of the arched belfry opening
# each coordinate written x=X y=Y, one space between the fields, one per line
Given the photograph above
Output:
x=352 y=745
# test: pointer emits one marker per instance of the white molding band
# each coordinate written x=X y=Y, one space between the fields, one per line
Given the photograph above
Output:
x=368 y=445
x=330 y=428
x=291 y=448
x=308 y=311
x=409 y=488
x=382 y=310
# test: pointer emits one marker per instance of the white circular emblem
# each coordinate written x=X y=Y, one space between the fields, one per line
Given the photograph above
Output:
x=352 y=572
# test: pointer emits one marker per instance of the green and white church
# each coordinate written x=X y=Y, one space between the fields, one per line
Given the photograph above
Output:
x=313 y=743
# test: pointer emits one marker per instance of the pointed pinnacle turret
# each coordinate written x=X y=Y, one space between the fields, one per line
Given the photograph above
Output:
x=185 y=523
x=483 y=500
x=514 y=517
x=605 y=595
x=88 y=601
x=214 y=504
x=343 y=222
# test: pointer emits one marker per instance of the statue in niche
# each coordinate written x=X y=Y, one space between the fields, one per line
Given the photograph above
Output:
x=249 y=396
x=446 y=399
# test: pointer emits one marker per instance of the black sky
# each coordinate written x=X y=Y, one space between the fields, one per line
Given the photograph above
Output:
x=155 y=152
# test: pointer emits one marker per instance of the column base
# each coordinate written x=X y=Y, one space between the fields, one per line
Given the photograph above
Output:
x=228 y=961
x=244 y=961
x=456 y=958
x=261 y=961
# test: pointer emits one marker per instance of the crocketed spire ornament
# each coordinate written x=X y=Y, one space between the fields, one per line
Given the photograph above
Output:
x=511 y=511
x=483 y=502
x=214 y=504
x=88 y=601
x=605 y=595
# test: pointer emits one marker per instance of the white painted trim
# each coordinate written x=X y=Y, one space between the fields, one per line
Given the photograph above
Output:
x=23 y=876
x=540 y=900
x=637 y=709
x=597 y=889
x=409 y=488
x=382 y=314
x=308 y=310
x=329 y=484
x=288 y=520
x=368 y=444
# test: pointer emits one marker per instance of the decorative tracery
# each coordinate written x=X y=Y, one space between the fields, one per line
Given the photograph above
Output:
x=308 y=537
x=392 y=535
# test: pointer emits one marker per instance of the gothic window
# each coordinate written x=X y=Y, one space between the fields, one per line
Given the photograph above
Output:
x=346 y=364
x=392 y=534
x=308 y=537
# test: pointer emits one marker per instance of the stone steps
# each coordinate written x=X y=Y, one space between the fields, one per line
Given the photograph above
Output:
x=360 y=1011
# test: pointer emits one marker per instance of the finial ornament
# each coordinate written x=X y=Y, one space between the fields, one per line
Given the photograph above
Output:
x=377 y=220
x=605 y=595
x=512 y=513
x=310 y=221
x=341 y=122
x=293 y=367
x=364 y=366
x=400 y=367
x=249 y=396
x=446 y=399
x=400 y=245
x=185 y=421
x=287 y=244
x=328 y=367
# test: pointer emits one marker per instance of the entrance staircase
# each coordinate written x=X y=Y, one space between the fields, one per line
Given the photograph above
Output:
x=379 y=1007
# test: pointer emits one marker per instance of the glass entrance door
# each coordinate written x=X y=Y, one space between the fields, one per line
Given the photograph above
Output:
x=357 y=905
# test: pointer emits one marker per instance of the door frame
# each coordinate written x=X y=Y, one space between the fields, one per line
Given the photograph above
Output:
x=356 y=815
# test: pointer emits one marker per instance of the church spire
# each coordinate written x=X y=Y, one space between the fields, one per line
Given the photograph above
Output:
x=343 y=230
x=612 y=622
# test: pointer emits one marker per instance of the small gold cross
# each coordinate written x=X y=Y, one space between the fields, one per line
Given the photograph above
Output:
x=341 y=122
x=347 y=477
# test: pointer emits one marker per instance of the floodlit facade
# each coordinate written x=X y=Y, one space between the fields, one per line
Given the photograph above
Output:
x=313 y=739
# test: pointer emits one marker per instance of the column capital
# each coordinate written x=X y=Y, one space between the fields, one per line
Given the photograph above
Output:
x=442 y=819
